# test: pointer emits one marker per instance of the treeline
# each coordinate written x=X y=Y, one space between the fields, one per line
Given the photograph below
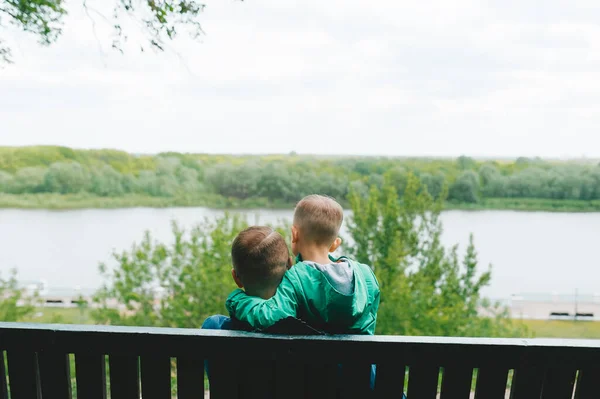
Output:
x=169 y=179
x=285 y=178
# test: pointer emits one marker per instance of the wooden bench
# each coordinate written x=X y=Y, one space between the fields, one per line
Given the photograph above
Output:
x=156 y=362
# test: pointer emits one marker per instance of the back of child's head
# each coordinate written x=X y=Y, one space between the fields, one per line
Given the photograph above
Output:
x=319 y=218
x=260 y=258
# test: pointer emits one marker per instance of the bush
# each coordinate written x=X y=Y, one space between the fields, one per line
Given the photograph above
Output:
x=28 y=180
x=237 y=181
x=14 y=304
x=465 y=188
x=171 y=285
x=107 y=182
x=425 y=289
x=66 y=178
x=6 y=182
x=151 y=183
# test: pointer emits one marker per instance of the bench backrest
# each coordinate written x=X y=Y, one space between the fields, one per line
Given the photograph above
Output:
x=127 y=361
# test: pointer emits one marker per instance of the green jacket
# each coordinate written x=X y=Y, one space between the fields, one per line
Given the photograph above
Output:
x=339 y=298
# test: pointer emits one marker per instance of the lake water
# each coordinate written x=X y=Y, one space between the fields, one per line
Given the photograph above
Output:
x=538 y=253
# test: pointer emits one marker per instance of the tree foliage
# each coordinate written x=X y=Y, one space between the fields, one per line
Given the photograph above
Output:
x=282 y=179
x=28 y=180
x=177 y=284
x=161 y=20
x=15 y=304
x=107 y=182
x=465 y=188
x=65 y=178
x=425 y=288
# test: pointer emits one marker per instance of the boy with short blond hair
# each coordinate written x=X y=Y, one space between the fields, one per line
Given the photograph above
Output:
x=319 y=217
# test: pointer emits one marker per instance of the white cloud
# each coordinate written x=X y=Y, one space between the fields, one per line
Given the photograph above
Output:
x=384 y=77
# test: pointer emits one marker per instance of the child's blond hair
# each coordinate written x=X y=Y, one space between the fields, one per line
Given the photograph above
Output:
x=319 y=218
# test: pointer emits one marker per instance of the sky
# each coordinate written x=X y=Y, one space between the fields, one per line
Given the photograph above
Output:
x=502 y=78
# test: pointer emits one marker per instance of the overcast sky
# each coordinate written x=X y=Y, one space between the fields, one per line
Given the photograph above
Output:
x=444 y=78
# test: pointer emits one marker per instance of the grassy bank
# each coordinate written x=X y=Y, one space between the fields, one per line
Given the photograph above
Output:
x=564 y=329
x=61 y=316
x=89 y=201
x=539 y=328
x=529 y=204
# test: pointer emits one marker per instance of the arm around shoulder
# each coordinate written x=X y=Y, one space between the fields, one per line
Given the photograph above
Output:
x=263 y=313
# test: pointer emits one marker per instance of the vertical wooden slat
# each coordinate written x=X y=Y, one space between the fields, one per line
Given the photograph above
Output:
x=90 y=373
x=559 y=383
x=588 y=383
x=527 y=382
x=389 y=380
x=321 y=381
x=156 y=377
x=456 y=382
x=256 y=379
x=55 y=375
x=423 y=381
x=355 y=380
x=491 y=382
x=124 y=377
x=289 y=379
x=23 y=374
x=190 y=377
x=3 y=383
x=224 y=381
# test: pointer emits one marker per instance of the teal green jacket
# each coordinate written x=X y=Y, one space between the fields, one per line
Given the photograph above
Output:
x=339 y=298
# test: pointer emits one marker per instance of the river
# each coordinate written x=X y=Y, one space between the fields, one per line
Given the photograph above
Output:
x=531 y=252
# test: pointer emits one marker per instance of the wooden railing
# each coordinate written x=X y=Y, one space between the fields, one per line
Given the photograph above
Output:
x=161 y=363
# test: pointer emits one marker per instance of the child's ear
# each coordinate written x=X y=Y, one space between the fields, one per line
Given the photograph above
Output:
x=236 y=278
x=294 y=234
x=335 y=245
x=290 y=263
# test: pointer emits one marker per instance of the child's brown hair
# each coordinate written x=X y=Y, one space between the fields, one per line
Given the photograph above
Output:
x=260 y=258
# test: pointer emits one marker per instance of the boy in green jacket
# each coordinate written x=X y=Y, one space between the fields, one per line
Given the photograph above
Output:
x=338 y=296
x=260 y=259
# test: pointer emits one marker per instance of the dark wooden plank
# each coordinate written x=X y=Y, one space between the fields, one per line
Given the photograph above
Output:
x=23 y=374
x=190 y=377
x=527 y=382
x=289 y=379
x=456 y=381
x=559 y=383
x=90 y=373
x=321 y=380
x=423 y=381
x=588 y=383
x=55 y=374
x=156 y=377
x=256 y=379
x=223 y=378
x=389 y=380
x=124 y=377
x=3 y=383
x=176 y=342
x=355 y=380
x=491 y=382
